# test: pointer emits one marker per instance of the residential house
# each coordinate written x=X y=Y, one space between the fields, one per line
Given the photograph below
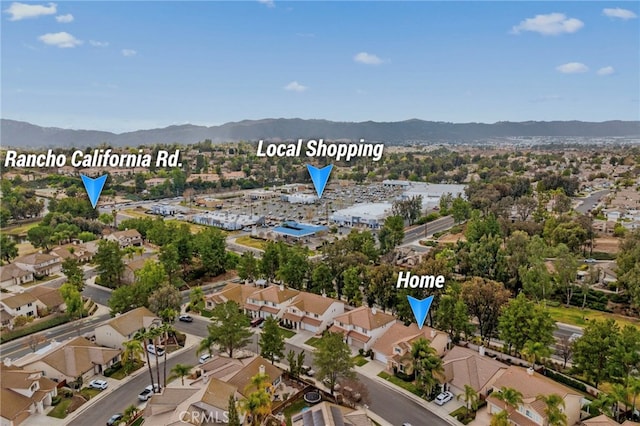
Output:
x=79 y=252
x=531 y=385
x=205 y=405
x=48 y=299
x=271 y=301
x=362 y=326
x=6 y=319
x=329 y=414
x=464 y=366
x=23 y=393
x=241 y=380
x=70 y=360
x=603 y=420
x=19 y=304
x=238 y=293
x=40 y=264
x=12 y=274
x=126 y=238
x=394 y=347
x=312 y=312
x=133 y=265
x=123 y=327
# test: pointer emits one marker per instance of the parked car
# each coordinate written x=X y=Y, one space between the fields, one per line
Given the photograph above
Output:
x=98 y=384
x=574 y=337
x=204 y=358
x=307 y=370
x=148 y=392
x=155 y=350
x=443 y=398
x=256 y=322
x=185 y=318
x=113 y=420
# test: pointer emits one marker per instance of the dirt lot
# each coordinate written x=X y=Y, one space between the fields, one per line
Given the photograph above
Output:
x=606 y=244
x=452 y=239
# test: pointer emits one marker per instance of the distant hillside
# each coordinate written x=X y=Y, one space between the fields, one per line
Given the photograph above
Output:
x=22 y=134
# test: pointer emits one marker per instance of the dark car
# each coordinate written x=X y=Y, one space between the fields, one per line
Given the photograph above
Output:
x=185 y=318
x=113 y=420
x=256 y=322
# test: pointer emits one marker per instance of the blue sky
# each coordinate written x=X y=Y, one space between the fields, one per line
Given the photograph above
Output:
x=123 y=66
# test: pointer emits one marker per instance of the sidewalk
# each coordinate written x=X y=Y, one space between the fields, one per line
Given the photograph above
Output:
x=371 y=370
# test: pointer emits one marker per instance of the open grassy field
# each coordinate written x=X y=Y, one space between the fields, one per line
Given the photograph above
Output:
x=251 y=242
x=576 y=316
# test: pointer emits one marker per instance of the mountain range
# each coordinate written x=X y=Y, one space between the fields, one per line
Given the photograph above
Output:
x=20 y=134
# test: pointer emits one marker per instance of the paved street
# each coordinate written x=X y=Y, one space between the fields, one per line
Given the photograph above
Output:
x=418 y=231
x=590 y=202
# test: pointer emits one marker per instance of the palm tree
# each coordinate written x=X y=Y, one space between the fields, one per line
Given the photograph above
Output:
x=206 y=345
x=132 y=352
x=258 y=403
x=619 y=394
x=634 y=389
x=470 y=397
x=534 y=351
x=166 y=328
x=500 y=419
x=553 y=410
x=511 y=398
x=129 y=413
x=427 y=365
x=180 y=370
x=142 y=337
x=604 y=402
x=153 y=334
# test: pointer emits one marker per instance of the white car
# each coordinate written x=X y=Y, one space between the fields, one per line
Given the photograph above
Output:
x=98 y=384
x=443 y=398
x=574 y=337
x=152 y=349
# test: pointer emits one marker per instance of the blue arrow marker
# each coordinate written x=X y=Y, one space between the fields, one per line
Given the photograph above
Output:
x=420 y=308
x=94 y=187
x=319 y=177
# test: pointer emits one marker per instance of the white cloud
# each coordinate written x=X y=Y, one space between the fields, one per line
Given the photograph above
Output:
x=20 y=11
x=61 y=39
x=550 y=24
x=268 y=3
x=129 y=52
x=294 y=86
x=64 y=19
x=367 y=58
x=606 y=70
x=95 y=43
x=572 y=68
x=619 y=13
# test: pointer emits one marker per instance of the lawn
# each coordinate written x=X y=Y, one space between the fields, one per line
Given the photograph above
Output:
x=360 y=360
x=287 y=333
x=60 y=410
x=399 y=382
x=313 y=342
x=294 y=409
x=576 y=316
x=119 y=374
x=21 y=229
x=251 y=242
x=89 y=393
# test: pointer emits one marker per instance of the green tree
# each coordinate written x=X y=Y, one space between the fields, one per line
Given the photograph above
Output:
x=232 y=410
x=536 y=280
x=594 y=351
x=452 y=315
x=427 y=365
x=554 y=405
x=129 y=413
x=351 y=290
x=470 y=398
x=109 y=263
x=72 y=299
x=258 y=403
x=294 y=268
x=270 y=261
x=166 y=298
x=170 y=260
x=511 y=397
x=210 y=248
x=566 y=267
x=248 y=266
x=460 y=209
x=391 y=234
x=143 y=337
x=294 y=368
x=535 y=351
x=628 y=261
x=196 y=299
x=230 y=328
x=40 y=236
x=71 y=269
x=485 y=299
x=321 y=279
x=132 y=352
x=500 y=419
x=523 y=321
x=333 y=359
x=8 y=248
x=271 y=340
x=180 y=370
x=626 y=354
